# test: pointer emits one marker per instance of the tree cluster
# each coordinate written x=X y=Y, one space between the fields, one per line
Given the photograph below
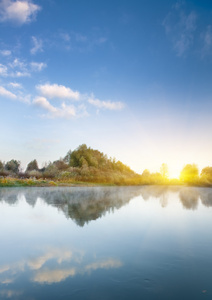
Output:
x=89 y=165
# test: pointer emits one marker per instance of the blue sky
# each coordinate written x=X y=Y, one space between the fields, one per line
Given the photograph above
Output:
x=129 y=78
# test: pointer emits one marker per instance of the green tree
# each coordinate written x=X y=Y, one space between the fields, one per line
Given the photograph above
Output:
x=51 y=171
x=33 y=165
x=13 y=166
x=206 y=174
x=189 y=173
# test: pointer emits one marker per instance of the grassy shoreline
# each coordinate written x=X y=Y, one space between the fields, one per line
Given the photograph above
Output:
x=14 y=182
x=32 y=182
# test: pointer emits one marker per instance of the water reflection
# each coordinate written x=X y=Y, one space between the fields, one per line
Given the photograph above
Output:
x=10 y=294
x=80 y=204
x=140 y=243
x=85 y=204
x=54 y=266
x=189 y=198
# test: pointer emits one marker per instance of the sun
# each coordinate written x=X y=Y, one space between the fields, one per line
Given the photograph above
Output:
x=174 y=173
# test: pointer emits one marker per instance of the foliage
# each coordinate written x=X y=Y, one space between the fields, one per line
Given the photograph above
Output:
x=61 y=165
x=84 y=157
x=146 y=173
x=164 y=170
x=35 y=174
x=1 y=166
x=189 y=174
x=206 y=175
x=33 y=165
x=51 y=171
x=86 y=165
x=12 y=166
x=67 y=158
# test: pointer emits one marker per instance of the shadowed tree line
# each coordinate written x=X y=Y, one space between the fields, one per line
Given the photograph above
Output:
x=88 y=165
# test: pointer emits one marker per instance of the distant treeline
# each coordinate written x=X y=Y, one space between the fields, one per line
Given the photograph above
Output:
x=88 y=165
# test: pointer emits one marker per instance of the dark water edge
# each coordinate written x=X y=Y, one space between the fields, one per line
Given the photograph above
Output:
x=150 y=242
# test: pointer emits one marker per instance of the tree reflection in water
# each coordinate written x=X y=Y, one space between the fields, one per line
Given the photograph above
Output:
x=84 y=204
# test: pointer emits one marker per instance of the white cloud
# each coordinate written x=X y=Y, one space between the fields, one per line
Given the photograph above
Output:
x=180 y=28
x=19 y=11
x=6 y=93
x=65 y=111
x=37 y=45
x=37 y=67
x=57 y=91
x=19 y=96
x=106 y=104
x=44 y=103
x=5 y=52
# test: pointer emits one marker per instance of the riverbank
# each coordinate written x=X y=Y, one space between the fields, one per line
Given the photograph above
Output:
x=16 y=182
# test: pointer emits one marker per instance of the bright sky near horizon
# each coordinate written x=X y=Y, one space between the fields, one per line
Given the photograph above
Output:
x=129 y=78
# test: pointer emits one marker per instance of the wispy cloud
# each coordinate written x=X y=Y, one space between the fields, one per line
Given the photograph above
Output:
x=37 y=45
x=19 y=96
x=5 y=52
x=83 y=42
x=207 y=41
x=73 y=260
x=6 y=293
x=37 y=67
x=63 y=111
x=105 y=264
x=15 y=85
x=20 y=74
x=3 y=70
x=59 y=255
x=19 y=12
x=5 y=93
x=106 y=104
x=65 y=36
x=57 y=91
x=18 y=68
x=48 y=92
x=180 y=28
x=58 y=275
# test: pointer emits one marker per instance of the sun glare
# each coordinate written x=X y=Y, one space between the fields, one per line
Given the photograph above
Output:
x=174 y=173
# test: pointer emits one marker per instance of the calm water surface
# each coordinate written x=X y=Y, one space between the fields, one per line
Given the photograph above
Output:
x=106 y=243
